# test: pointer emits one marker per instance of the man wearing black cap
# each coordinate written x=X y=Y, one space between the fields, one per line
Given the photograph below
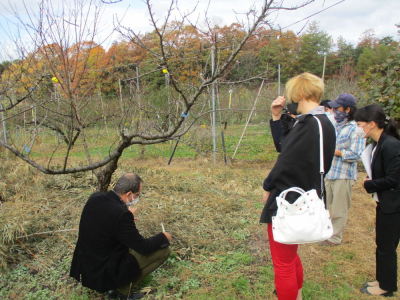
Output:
x=340 y=178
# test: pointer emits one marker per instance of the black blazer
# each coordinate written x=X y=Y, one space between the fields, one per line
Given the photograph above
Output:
x=106 y=232
x=386 y=174
x=298 y=163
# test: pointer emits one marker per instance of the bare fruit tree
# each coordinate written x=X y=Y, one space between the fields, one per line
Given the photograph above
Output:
x=69 y=119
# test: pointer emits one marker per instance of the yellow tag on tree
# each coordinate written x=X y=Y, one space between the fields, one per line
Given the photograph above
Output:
x=165 y=71
x=54 y=79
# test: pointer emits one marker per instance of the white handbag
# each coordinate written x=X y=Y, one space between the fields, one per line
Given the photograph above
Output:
x=306 y=220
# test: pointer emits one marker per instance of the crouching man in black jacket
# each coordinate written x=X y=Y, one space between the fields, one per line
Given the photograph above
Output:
x=110 y=253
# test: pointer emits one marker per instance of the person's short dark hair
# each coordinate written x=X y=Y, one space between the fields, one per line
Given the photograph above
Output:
x=351 y=113
x=325 y=103
x=128 y=182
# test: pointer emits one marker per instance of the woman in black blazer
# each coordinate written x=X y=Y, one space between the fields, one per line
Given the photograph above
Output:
x=385 y=184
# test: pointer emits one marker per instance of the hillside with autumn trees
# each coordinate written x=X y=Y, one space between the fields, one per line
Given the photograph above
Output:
x=99 y=70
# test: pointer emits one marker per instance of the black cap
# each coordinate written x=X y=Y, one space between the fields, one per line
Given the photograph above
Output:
x=345 y=100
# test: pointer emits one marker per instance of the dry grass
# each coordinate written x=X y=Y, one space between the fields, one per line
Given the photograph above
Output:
x=219 y=249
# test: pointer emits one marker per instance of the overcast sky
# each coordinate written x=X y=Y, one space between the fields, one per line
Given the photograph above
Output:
x=348 y=18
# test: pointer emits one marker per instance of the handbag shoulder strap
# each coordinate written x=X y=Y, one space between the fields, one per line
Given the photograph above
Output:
x=321 y=156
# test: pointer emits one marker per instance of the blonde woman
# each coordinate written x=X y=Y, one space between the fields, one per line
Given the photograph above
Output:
x=297 y=165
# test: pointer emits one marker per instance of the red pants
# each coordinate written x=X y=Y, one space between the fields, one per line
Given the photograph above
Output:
x=287 y=268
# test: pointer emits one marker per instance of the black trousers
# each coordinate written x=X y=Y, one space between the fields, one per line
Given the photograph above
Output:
x=387 y=238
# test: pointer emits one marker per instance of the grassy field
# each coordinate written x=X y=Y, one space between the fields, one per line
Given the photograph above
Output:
x=219 y=249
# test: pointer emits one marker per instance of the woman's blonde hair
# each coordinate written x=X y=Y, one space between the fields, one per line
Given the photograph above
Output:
x=305 y=86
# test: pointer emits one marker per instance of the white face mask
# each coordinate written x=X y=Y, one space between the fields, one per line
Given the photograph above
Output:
x=360 y=132
x=133 y=202
x=366 y=129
